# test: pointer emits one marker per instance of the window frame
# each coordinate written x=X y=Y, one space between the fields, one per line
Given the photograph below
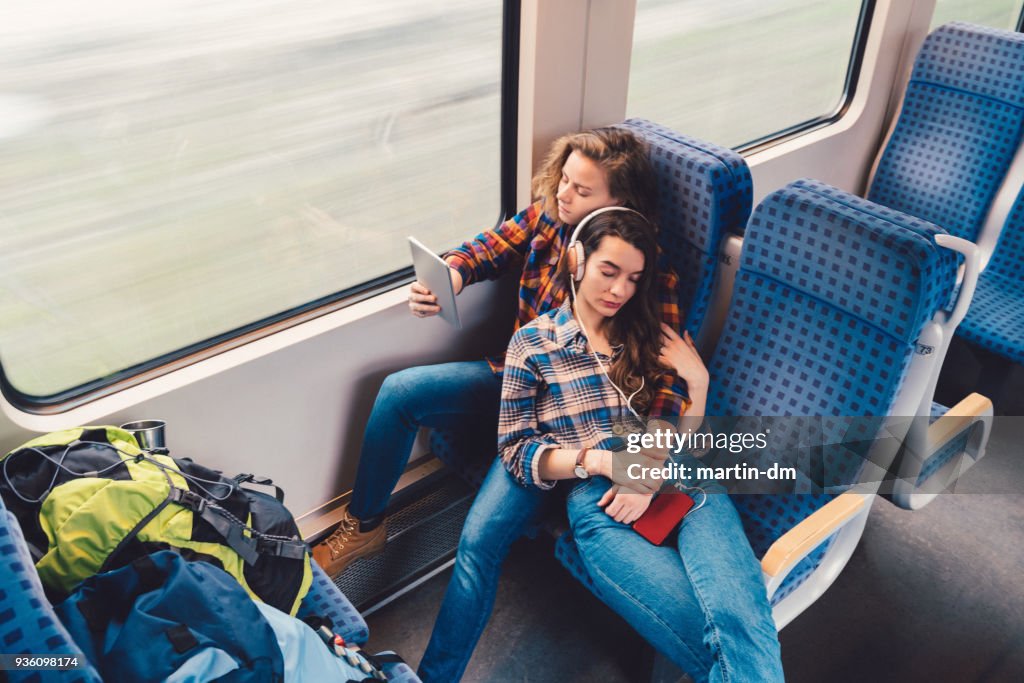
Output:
x=853 y=72
x=73 y=397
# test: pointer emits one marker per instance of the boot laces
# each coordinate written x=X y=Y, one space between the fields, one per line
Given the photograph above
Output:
x=342 y=535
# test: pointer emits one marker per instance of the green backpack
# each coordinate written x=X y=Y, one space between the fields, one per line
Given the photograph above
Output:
x=90 y=500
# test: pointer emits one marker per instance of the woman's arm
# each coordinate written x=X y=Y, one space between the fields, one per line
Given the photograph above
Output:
x=532 y=456
x=680 y=354
x=520 y=440
x=486 y=256
x=560 y=463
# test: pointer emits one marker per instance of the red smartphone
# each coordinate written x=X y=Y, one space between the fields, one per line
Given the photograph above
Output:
x=663 y=515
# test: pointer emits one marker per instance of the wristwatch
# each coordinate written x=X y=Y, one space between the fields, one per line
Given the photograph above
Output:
x=580 y=471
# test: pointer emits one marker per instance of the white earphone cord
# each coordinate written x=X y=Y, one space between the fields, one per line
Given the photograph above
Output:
x=629 y=405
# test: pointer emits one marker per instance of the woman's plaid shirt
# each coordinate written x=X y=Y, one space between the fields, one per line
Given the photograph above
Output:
x=555 y=395
x=532 y=241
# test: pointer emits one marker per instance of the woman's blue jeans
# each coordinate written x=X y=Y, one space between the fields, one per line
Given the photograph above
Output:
x=703 y=604
x=462 y=395
x=502 y=512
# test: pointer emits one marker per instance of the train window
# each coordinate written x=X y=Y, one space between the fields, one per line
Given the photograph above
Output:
x=175 y=171
x=734 y=72
x=994 y=13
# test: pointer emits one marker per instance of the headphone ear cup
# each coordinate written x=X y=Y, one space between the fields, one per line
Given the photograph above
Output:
x=577 y=261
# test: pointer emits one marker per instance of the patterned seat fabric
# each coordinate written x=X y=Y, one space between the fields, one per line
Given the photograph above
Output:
x=326 y=600
x=28 y=624
x=961 y=123
x=704 y=194
x=831 y=295
x=995 y=320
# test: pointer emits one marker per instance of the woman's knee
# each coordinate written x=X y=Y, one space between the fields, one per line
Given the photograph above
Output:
x=482 y=548
x=403 y=383
x=499 y=516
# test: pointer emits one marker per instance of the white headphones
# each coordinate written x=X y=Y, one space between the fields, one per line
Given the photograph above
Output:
x=576 y=260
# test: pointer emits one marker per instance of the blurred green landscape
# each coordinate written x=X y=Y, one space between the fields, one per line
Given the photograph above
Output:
x=176 y=169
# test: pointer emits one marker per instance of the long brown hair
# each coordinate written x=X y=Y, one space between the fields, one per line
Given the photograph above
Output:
x=621 y=155
x=637 y=324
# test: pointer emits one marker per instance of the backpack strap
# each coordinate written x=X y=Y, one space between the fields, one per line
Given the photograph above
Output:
x=260 y=481
x=150 y=576
x=232 y=530
x=181 y=638
x=372 y=665
x=130 y=536
x=95 y=615
x=380 y=660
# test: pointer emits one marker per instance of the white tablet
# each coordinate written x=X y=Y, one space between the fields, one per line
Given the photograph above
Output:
x=432 y=271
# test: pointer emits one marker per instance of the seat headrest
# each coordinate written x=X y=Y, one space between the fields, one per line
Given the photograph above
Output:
x=874 y=263
x=977 y=59
x=704 y=191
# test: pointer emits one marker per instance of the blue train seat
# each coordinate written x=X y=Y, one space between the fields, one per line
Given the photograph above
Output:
x=704 y=194
x=956 y=438
x=995 y=320
x=960 y=124
x=949 y=159
x=832 y=296
x=940 y=443
x=28 y=623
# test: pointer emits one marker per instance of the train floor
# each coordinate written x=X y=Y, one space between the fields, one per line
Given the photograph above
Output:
x=929 y=595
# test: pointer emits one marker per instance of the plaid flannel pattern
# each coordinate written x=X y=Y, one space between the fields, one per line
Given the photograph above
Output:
x=532 y=241
x=555 y=395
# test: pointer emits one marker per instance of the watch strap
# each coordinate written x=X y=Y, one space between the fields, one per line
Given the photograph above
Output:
x=580 y=456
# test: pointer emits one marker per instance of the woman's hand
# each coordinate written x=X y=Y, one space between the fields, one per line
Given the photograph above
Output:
x=619 y=468
x=624 y=504
x=422 y=301
x=680 y=354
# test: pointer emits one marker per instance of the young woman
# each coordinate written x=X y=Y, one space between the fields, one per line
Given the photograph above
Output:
x=570 y=375
x=583 y=172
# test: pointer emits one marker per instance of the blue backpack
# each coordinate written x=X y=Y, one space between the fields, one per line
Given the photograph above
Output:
x=161 y=618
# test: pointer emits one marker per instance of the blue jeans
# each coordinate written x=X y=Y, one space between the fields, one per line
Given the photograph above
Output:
x=461 y=395
x=501 y=513
x=703 y=605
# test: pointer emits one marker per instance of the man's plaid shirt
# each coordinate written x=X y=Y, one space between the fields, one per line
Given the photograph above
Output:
x=555 y=395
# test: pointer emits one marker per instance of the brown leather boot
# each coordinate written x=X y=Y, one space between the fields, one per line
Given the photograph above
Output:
x=347 y=544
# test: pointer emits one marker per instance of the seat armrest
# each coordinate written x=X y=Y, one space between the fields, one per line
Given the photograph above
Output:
x=793 y=546
x=958 y=418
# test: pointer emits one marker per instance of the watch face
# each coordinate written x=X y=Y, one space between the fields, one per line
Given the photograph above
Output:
x=581 y=472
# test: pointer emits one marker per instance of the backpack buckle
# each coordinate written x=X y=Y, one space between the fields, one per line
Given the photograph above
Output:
x=190 y=499
x=291 y=549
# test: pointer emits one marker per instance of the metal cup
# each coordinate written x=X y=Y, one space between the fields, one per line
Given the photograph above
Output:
x=149 y=433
